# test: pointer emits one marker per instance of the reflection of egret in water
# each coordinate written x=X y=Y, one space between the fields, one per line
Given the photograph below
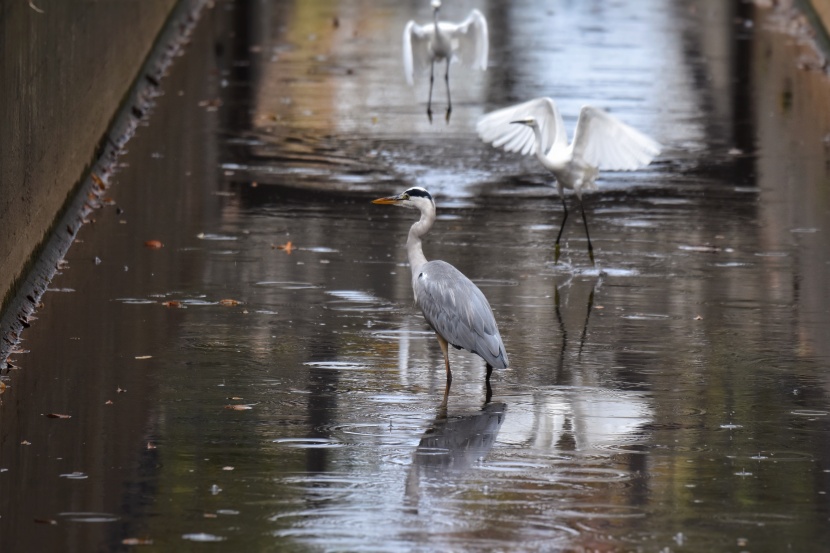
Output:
x=444 y=41
x=563 y=331
x=601 y=142
x=449 y=447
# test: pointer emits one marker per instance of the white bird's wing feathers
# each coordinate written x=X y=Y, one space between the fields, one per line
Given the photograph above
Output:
x=497 y=127
x=469 y=39
x=605 y=142
x=457 y=309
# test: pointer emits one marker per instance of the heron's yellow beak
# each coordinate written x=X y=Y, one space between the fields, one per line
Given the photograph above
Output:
x=389 y=200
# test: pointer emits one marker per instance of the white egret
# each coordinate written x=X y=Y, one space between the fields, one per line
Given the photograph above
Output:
x=441 y=40
x=454 y=307
x=601 y=142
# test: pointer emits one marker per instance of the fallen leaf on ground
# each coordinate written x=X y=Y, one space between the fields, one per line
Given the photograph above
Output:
x=153 y=244
x=58 y=416
x=228 y=302
x=238 y=407
x=287 y=247
x=136 y=541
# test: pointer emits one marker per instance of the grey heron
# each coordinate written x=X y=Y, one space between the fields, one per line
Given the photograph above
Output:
x=454 y=307
x=441 y=40
x=601 y=142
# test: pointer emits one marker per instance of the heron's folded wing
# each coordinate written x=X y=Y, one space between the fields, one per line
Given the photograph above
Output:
x=498 y=127
x=458 y=311
x=607 y=143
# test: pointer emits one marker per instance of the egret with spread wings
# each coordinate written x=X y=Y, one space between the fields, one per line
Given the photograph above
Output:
x=441 y=40
x=601 y=142
x=454 y=307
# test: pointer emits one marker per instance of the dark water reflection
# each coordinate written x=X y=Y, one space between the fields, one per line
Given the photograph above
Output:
x=674 y=397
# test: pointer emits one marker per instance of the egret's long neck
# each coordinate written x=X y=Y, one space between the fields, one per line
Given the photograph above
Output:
x=414 y=250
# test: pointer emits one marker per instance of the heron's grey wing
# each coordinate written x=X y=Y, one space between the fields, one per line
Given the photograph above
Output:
x=497 y=127
x=458 y=311
x=470 y=39
x=415 y=49
x=605 y=142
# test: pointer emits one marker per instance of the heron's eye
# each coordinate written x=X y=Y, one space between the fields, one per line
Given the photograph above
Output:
x=406 y=196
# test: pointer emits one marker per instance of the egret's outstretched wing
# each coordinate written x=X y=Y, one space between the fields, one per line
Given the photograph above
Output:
x=497 y=127
x=416 y=48
x=607 y=143
x=470 y=39
x=458 y=311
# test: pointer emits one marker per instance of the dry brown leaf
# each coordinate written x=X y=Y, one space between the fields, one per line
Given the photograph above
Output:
x=45 y=521
x=238 y=407
x=172 y=303
x=287 y=247
x=2 y=386
x=210 y=515
x=99 y=182
x=153 y=244
x=228 y=302
x=58 y=416
x=136 y=541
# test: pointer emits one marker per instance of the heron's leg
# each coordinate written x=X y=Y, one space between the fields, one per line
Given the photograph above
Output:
x=447 y=81
x=445 y=350
x=585 y=220
x=561 y=228
x=489 y=390
x=431 y=81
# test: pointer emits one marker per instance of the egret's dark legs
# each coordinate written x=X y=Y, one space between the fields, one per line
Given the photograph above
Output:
x=561 y=228
x=447 y=81
x=585 y=221
x=445 y=350
x=431 y=82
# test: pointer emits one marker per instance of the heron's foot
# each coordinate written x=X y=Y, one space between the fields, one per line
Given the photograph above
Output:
x=449 y=112
x=429 y=115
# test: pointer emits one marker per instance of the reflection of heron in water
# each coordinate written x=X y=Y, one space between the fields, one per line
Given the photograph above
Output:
x=441 y=40
x=450 y=446
x=601 y=142
x=454 y=307
x=563 y=331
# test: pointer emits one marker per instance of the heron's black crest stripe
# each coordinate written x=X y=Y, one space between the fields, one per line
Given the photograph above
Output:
x=419 y=192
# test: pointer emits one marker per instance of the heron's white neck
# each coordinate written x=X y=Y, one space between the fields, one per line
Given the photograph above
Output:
x=414 y=250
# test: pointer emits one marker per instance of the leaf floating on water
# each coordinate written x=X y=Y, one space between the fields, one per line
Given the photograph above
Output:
x=172 y=303
x=210 y=515
x=287 y=247
x=120 y=390
x=25 y=442
x=109 y=402
x=239 y=407
x=45 y=521
x=136 y=541
x=2 y=386
x=228 y=468
x=699 y=318
x=151 y=445
x=229 y=302
x=153 y=244
x=140 y=357
x=58 y=416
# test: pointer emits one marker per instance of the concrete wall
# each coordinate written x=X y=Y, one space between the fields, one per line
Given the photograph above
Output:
x=63 y=75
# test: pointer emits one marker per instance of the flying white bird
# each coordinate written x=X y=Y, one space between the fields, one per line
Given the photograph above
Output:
x=441 y=40
x=601 y=142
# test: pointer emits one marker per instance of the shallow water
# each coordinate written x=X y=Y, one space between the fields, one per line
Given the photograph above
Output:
x=232 y=390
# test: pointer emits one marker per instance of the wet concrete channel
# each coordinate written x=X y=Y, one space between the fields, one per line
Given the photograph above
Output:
x=231 y=389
